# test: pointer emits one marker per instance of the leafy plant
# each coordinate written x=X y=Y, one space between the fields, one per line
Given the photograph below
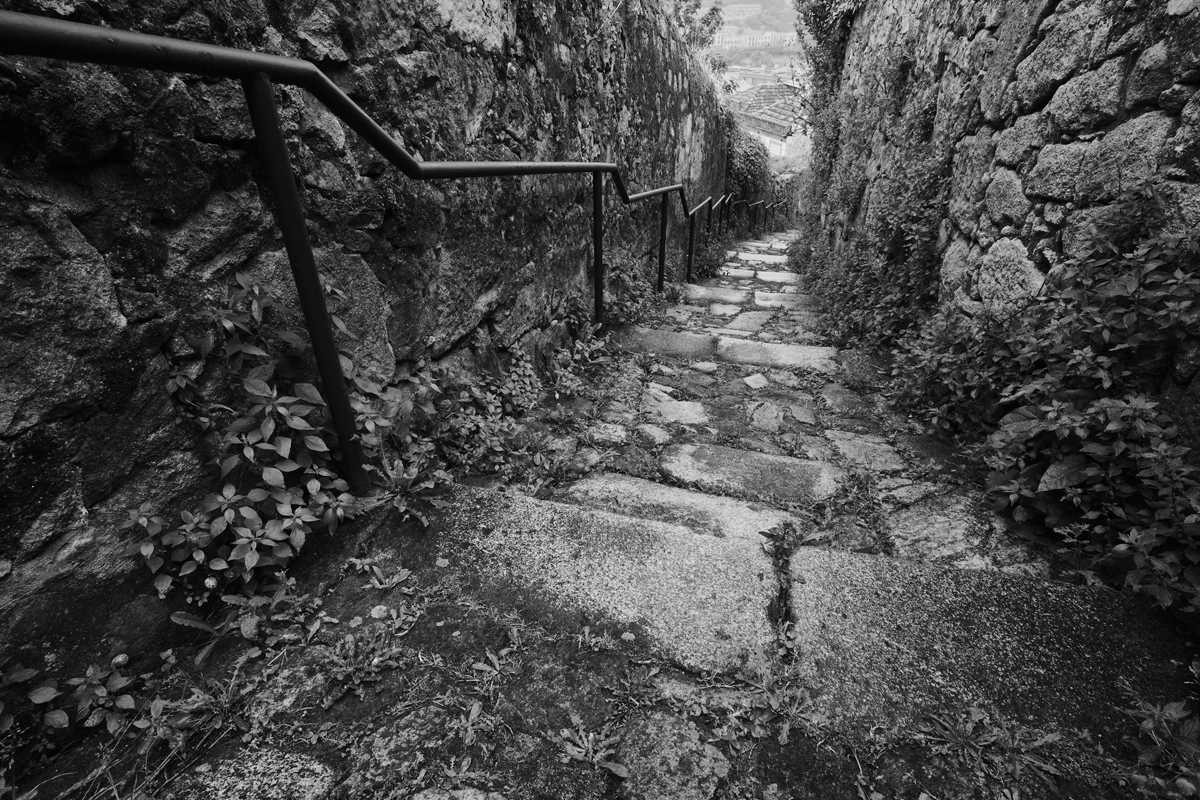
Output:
x=629 y=291
x=995 y=750
x=358 y=659
x=1168 y=749
x=591 y=747
x=1062 y=394
x=278 y=466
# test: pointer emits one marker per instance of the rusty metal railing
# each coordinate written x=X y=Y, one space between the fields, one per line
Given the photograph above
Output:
x=29 y=35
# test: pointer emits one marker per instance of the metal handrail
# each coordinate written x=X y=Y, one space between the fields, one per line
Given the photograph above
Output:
x=29 y=35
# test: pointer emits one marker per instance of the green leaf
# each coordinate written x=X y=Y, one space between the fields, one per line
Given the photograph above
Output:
x=258 y=388
x=18 y=674
x=308 y=393
x=1071 y=471
x=43 y=694
x=272 y=476
x=55 y=719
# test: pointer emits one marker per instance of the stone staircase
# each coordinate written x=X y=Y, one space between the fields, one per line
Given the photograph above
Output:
x=779 y=517
x=758 y=583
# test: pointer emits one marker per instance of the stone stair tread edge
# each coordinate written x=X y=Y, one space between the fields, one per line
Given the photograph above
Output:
x=702 y=601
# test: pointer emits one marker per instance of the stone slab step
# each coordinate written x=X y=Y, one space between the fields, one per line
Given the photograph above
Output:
x=765 y=258
x=700 y=601
x=637 y=339
x=777 y=277
x=884 y=641
x=783 y=300
x=705 y=514
x=695 y=293
x=749 y=475
x=792 y=356
x=737 y=272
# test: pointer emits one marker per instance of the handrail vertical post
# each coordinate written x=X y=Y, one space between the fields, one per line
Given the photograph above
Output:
x=598 y=243
x=289 y=216
x=691 y=245
x=708 y=224
x=662 y=242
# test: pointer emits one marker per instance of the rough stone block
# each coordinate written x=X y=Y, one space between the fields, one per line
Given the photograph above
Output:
x=753 y=476
x=1090 y=100
x=667 y=343
x=1064 y=49
x=884 y=641
x=713 y=294
x=1006 y=273
x=1058 y=171
x=1127 y=154
x=1026 y=136
x=1152 y=75
x=702 y=602
x=791 y=356
x=704 y=514
x=867 y=450
x=1006 y=200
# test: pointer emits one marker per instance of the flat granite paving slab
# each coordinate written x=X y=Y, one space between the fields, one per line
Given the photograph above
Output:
x=714 y=294
x=637 y=339
x=699 y=601
x=705 y=514
x=791 y=356
x=766 y=258
x=737 y=272
x=751 y=320
x=886 y=641
x=750 y=475
x=783 y=300
x=778 y=277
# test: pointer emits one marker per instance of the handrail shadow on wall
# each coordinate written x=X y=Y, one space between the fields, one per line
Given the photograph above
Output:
x=29 y=35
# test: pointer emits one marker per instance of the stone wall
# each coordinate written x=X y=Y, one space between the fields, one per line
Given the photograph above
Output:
x=1025 y=118
x=128 y=200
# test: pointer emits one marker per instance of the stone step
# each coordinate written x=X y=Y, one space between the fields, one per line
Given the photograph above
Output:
x=783 y=300
x=694 y=293
x=705 y=514
x=777 y=277
x=699 y=601
x=738 y=273
x=636 y=339
x=725 y=347
x=749 y=475
x=882 y=642
x=791 y=356
x=765 y=258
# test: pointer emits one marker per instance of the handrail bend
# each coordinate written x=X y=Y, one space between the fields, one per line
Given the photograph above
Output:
x=29 y=35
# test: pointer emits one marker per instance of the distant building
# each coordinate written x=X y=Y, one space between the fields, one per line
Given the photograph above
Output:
x=733 y=38
x=741 y=10
x=772 y=112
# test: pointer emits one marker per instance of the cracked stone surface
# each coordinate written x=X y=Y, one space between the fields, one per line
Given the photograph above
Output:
x=756 y=476
x=701 y=600
x=703 y=513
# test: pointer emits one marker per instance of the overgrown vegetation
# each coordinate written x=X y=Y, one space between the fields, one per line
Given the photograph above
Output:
x=748 y=174
x=1061 y=392
x=883 y=281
